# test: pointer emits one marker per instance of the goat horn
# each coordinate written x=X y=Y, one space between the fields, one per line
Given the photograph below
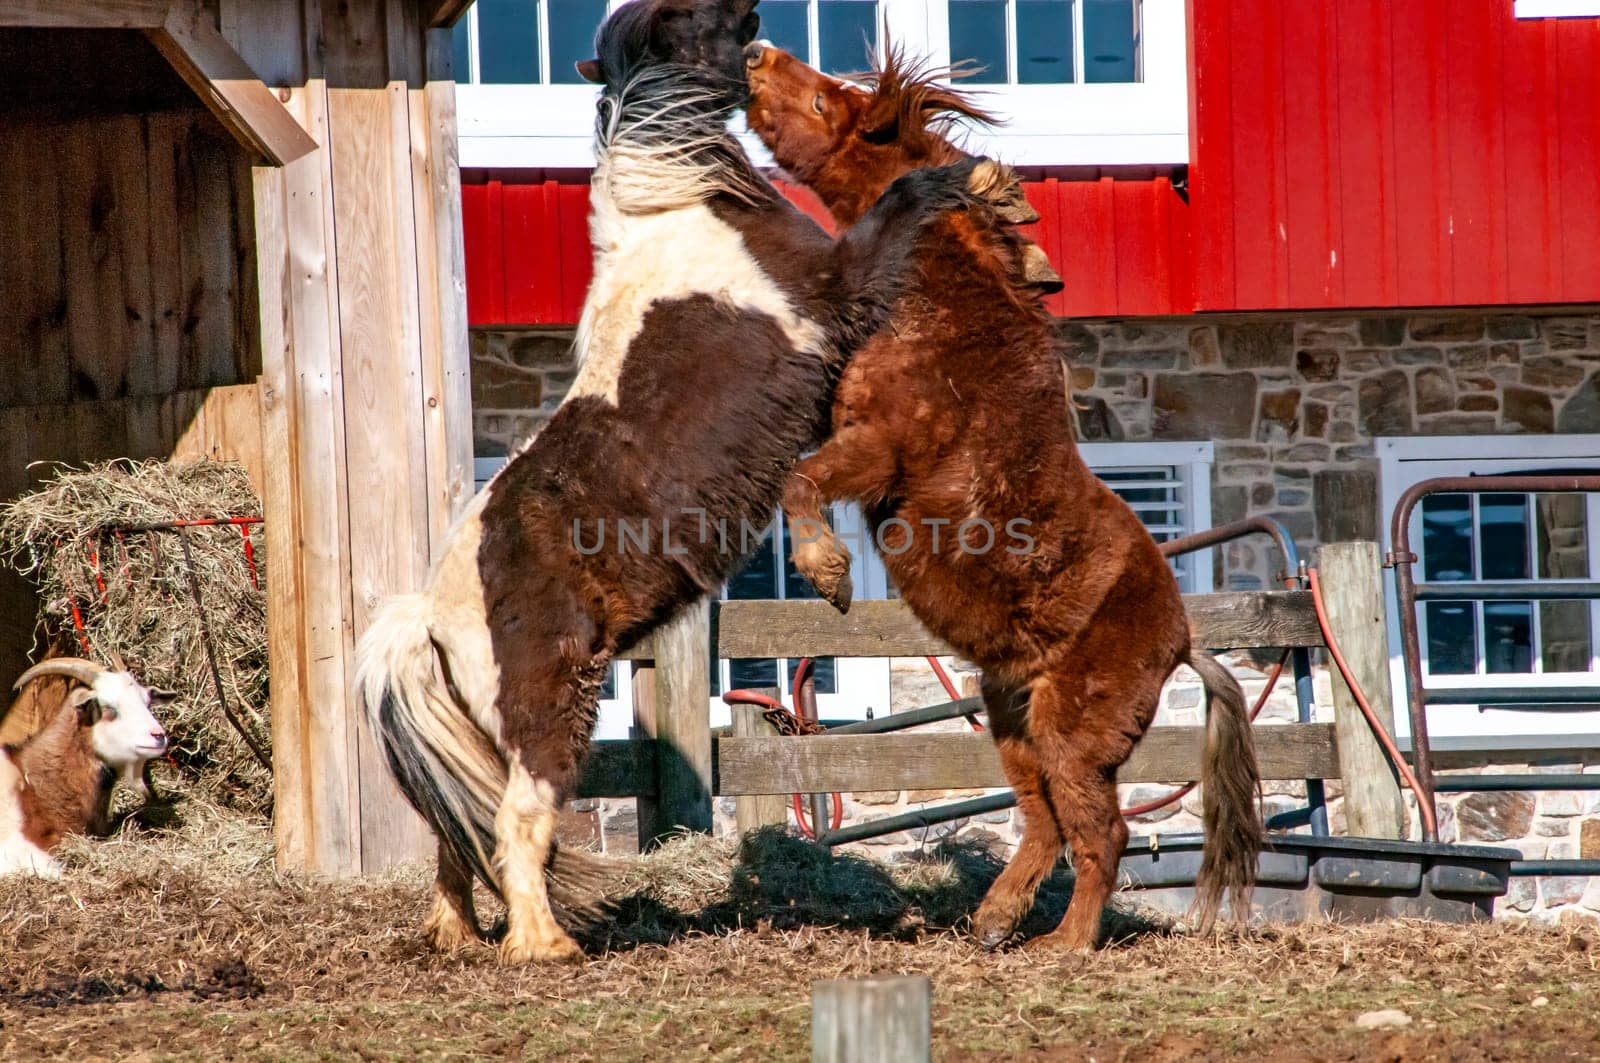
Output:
x=85 y=672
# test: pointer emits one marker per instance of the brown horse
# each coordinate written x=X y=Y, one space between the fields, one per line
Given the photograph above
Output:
x=950 y=430
x=711 y=336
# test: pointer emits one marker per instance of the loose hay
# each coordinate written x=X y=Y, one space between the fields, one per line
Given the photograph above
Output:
x=151 y=948
x=146 y=611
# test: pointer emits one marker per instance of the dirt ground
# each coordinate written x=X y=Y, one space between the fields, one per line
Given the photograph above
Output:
x=153 y=949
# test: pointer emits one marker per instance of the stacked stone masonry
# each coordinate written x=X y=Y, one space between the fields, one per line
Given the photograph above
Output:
x=1292 y=406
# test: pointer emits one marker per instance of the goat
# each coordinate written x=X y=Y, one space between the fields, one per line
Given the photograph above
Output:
x=59 y=780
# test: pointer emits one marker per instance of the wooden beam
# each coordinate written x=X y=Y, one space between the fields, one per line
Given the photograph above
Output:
x=89 y=15
x=888 y=629
x=943 y=761
x=445 y=13
x=683 y=724
x=757 y=810
x=1351 y=578
x=226 y=84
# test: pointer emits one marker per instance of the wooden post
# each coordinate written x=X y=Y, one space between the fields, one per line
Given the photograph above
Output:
x=683 y=723
x=870 y=1020
x=644 y=727
x=764 y=810
x=1352 y=591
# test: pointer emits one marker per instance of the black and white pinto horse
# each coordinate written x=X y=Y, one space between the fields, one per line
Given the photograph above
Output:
x=717 y=322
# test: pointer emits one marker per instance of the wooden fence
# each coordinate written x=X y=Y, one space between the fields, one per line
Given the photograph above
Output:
x=678 y=766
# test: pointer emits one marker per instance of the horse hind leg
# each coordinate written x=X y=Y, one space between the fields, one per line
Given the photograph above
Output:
x=453 y=919
x=524 y=829
x=1083 y=738
x=1011 y=895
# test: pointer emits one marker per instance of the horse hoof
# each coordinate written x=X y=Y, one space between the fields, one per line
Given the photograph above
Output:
x=993 y=937
x=561 y=950
x=840 y=595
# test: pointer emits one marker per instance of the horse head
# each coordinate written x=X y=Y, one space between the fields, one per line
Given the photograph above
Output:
x=706 y=36
x=848 y=141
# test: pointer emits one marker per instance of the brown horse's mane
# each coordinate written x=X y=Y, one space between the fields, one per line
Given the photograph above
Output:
x=912 y=96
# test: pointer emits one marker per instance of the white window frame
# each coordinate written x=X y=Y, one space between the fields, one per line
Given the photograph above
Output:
x=1557 y=8
x=1191 y=463
x=1143 y=123
x=1405 y=461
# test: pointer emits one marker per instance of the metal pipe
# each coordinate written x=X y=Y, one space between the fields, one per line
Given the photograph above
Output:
x=1533 y=697
x=1496 y=592
x=876 y=828
x=1524 y=868
x=1316 y=792
x=1401 y=559
x=805 y=697
x=1237 y=529
x=1291 y=818
x=899 y=721
x=1468 y=784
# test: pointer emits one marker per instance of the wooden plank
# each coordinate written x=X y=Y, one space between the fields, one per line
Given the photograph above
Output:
x=860 y=1019
x=1351 y=580
x=620 y=768
x=292 y=822
x=644 y=728
x=229 y=88
x=329 y=806
x=1211 y=184
x=887 y=628
x=123 y=308
x=1475 y=168
x=87 y=14
x=167 y=135
x=228 y=428
x=755 y=811
x=445 y=13
x=683 y=723
x=946 y=760
x=1528 y=86
x=1421 y=134
x=375 y=236
x=441 y=303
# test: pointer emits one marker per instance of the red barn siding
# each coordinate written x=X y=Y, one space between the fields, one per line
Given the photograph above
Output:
x=1345 y=154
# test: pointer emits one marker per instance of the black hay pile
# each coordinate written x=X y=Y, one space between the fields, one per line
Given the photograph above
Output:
x=111 y=585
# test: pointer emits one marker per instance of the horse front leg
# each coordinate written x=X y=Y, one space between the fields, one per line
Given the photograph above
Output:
x=855 y=465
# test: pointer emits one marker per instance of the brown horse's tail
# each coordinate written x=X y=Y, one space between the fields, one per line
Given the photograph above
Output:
x=1231 y=783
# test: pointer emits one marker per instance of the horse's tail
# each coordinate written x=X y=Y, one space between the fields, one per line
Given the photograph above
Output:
x=448 y=769
x=1231 y=782
x=453 y=773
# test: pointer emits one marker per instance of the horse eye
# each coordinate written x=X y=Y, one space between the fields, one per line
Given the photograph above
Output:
x=816 y=103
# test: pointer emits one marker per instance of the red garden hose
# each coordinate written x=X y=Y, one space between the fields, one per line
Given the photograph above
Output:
x=1424 y=806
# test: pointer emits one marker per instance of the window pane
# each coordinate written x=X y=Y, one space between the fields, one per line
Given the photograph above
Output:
x=1110 y=41
x=1447 y=537
x=847 y=33
x=1508 y=636
x=508 y=42
x=461 y=50
x=978 y=35
x=1563 y=537
x=754 y=673
x=784 y=23
x=1044 y=42
x=572 y=27
x=1565 y=644
x=1452 y=638
x=1503 y=524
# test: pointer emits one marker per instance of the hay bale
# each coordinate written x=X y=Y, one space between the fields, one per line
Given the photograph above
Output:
x=71 y=537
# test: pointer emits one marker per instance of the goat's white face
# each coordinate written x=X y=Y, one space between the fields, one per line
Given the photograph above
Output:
x=125 y=733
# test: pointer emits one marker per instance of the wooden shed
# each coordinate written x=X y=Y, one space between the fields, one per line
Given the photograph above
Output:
x=233 y=227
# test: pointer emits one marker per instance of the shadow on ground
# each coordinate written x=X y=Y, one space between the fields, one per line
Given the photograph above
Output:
x=783 y=882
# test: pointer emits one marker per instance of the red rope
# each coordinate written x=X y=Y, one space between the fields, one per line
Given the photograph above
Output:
x=250 y=555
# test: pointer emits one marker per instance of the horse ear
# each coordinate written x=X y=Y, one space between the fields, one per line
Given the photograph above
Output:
x=589 y=70
x=881 y=123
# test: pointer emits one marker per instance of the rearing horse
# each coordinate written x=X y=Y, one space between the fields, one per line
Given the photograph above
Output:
x=711 y=336
x=950 y=429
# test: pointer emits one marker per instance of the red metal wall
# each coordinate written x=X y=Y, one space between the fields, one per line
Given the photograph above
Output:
x=1355 y=153
x=1345 y=153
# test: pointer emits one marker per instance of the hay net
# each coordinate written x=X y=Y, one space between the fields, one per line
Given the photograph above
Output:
x=75 y=539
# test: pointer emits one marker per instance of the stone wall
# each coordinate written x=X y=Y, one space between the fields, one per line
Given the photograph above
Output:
x=1292 y=406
